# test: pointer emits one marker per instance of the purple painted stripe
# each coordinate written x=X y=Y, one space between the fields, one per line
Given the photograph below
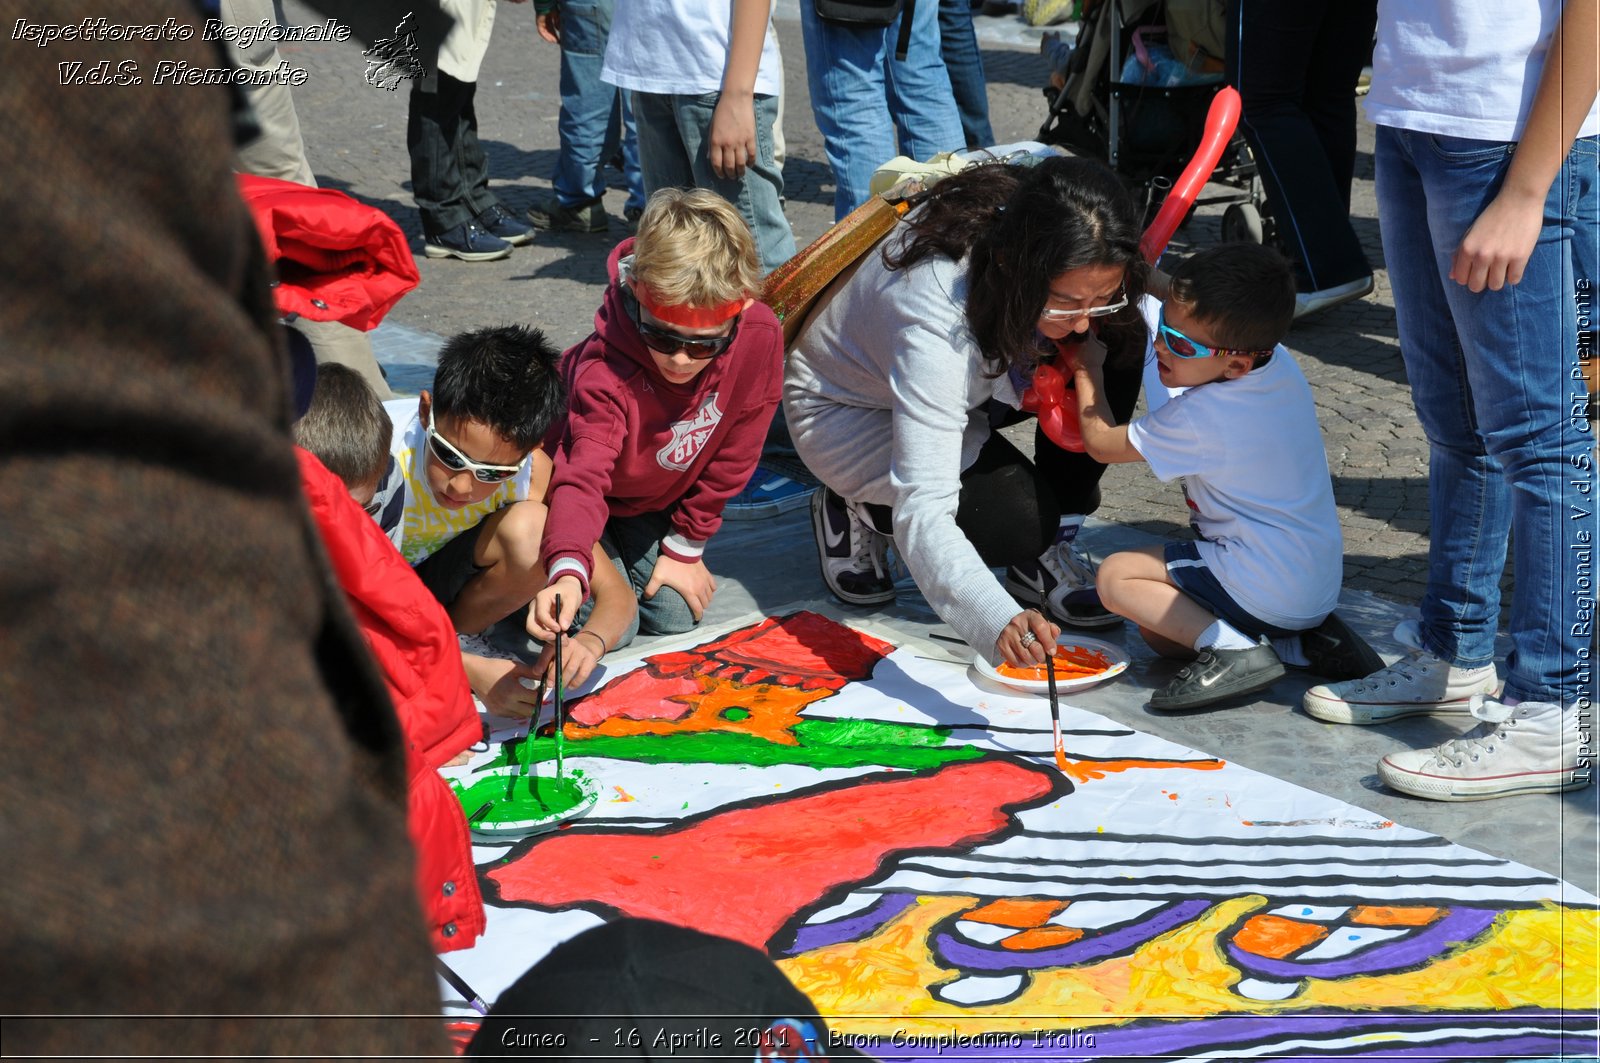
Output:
x=1157 y=1040
x=959 y=953
x=1463 y=924
x=851 y=927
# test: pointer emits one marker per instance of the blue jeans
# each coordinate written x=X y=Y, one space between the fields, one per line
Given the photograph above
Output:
x=958 y=45
x=595 y=116
x=1495 y=381
x=634 y=543
x=674 y=152
x=862 y=96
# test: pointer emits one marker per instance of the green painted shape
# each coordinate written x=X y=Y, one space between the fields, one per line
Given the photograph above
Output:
x=822 y=744
x=735 y=714
x=522 y=798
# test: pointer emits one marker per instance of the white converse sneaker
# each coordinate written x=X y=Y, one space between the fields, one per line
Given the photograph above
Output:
x=1062 y=582
x=1417 y=685
x=1531 y=749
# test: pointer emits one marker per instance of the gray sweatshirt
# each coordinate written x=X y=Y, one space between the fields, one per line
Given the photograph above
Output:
x=885 y=395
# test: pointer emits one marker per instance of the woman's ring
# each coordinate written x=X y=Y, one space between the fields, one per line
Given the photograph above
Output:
x=1029 y=638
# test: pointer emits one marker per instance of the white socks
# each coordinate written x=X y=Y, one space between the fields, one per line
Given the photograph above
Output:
x=1223 y=636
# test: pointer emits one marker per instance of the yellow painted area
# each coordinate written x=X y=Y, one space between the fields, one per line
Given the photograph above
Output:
x=1542 y=958
x=774 y=710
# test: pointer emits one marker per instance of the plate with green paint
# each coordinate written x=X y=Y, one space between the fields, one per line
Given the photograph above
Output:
x=524 y=804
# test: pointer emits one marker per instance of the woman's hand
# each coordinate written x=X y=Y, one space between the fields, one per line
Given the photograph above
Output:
x=1027 y=639
x=498 y=684
x=694 y=582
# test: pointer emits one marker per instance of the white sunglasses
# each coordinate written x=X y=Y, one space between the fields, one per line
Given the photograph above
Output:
x=1049 y=314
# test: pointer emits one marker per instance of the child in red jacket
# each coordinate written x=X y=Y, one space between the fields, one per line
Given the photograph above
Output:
x=668 y=406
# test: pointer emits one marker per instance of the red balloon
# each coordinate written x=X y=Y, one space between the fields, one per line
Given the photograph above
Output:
x=1056 y=403
x=1221 y=120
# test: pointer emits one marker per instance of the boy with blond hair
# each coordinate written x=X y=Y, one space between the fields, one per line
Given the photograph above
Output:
x=668 y=405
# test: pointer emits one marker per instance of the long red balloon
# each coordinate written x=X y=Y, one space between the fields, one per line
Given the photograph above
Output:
x=1221 y=120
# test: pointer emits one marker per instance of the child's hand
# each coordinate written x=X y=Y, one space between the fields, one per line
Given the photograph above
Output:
x=543 y=621
x=499 y=686
x=694 y=582
x=1087 y=353
x=733 y=137
x=578 y=659
x=1017 y=649
x=1497 y=246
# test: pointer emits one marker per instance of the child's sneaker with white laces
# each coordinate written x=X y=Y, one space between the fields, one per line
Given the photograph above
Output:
x=1417 y=685
x=1062 y=583
x=854 y=556
x=1531 y=749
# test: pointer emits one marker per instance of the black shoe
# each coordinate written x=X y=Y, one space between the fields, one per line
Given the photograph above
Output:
x=468 y=242
x=548 y=213
x=854 y=556
x=496 y=221
x=1217 y=675
x=1336 y=652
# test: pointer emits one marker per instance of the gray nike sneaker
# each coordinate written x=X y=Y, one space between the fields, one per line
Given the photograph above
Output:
x=1217 y=675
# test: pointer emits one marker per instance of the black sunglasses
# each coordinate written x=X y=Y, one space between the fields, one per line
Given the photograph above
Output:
x=665 y=341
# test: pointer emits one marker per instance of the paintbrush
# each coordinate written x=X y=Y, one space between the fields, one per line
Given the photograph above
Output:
x=559 y=693
x=474 y=1001
x=1055 y=708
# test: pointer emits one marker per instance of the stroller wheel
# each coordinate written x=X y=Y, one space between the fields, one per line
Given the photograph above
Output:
x=1241 y=223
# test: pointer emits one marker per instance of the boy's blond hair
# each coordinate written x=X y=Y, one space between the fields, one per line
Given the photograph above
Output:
x=694 y=249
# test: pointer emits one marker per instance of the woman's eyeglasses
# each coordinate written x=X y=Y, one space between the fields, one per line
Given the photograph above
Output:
x=455 y=461
x=1182 y=346
x=666 y=341
x=1052 y=314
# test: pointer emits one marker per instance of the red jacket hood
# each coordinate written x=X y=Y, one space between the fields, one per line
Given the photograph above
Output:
x=336 y=259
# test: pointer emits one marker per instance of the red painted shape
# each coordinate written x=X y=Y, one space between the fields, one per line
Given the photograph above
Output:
x=745 y=873
x=803 y=650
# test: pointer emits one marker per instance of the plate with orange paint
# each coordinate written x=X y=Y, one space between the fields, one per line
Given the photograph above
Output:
x=1080 y=664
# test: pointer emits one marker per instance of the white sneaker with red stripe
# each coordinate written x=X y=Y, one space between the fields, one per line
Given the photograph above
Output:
x=1535 y=748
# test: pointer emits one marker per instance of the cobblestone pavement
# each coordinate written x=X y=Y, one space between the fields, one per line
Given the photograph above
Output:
x=355 y=137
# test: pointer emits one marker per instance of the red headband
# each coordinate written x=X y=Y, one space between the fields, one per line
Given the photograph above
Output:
x=687 y=316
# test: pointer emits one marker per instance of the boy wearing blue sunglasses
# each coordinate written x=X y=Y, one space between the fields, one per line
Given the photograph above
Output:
x=1257 y=588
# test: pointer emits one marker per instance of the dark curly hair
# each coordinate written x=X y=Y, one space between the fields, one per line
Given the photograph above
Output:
x=504 y=377
x=1022 y=227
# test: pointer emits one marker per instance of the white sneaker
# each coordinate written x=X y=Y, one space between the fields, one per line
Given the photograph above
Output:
x=1531 y=749
x=1418 y=685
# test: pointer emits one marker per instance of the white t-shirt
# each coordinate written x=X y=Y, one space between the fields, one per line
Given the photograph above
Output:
x=679 y=48
x=427 y=525
x=1462 y=68
x=1256 y=478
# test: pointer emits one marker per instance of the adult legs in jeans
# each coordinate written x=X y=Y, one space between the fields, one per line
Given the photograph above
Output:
x=1491 y=376
x=635 y=544
x=449 y=172
x=595 y=117
x=674 y=152
x=1295 y=66
x=958 y=45
x=862 y=96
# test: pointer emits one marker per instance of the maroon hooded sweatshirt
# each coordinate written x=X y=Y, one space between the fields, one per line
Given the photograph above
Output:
x=634 y=443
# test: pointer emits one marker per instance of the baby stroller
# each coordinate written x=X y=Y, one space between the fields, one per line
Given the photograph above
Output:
x=1139 y=82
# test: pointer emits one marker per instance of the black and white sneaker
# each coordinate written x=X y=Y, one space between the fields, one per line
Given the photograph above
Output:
x=1061 y=582
x=854 y=556
x=1336 y=652
x=1217 y=675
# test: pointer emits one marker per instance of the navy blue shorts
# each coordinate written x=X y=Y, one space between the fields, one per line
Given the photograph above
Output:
x=1191 y=576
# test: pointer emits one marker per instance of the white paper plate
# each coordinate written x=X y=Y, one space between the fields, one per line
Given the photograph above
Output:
x=1116 y=654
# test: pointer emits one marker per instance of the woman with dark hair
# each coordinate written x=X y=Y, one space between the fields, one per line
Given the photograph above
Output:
x=895 y=388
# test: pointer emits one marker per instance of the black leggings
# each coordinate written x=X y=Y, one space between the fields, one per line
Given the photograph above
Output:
x=1010 y=507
